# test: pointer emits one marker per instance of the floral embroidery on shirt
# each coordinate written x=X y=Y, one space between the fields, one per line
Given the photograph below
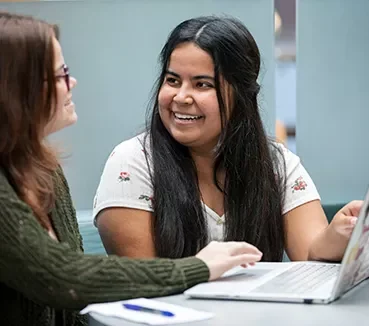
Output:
x=147 y=198
x=123 y=176
x=299 y=184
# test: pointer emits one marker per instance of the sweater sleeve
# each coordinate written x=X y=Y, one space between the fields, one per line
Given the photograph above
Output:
x=51 y=273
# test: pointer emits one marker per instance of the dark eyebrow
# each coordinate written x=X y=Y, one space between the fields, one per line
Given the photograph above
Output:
x=169 y=72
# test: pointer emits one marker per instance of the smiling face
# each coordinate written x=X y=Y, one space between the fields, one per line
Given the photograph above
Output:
x=188 y=104
x=65 y=114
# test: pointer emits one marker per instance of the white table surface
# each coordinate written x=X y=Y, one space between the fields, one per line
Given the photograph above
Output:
x=350 y=309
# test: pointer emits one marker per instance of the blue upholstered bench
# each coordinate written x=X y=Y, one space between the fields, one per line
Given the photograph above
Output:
x=91 y=238
x=331 y=210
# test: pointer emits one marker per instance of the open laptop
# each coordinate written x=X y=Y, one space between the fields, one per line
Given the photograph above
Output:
x=307 y=282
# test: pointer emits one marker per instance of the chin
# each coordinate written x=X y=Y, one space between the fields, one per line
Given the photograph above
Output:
x=73 y=119
x=57 y=126
x=185 y=141
x=183 y=138
x=70 y=121
x=194 y=140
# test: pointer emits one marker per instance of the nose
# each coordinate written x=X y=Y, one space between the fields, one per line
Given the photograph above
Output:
x=72 y=82
x=183 y=96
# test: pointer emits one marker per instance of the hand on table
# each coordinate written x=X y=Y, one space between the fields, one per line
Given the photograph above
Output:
x=222 y=256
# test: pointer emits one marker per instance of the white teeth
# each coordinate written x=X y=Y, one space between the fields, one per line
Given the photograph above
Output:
x=187 y=117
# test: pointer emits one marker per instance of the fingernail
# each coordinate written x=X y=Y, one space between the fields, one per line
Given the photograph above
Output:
x=353 y=220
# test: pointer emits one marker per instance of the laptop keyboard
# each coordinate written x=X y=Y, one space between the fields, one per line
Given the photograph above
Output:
x=301 y=278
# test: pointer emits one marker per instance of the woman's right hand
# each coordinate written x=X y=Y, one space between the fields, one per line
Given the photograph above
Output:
x=222 y=256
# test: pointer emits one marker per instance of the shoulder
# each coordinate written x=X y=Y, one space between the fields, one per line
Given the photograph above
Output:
x=283 y=159
x=299 y=186
x=60 y=181
x=63 y=196
x=10 y=202
x=131 y=151
x=132 y=146
x=281 y=152
x=128 y=159
x=289 y=163
x=65 y=208
x=6 y=190
x=126 y=179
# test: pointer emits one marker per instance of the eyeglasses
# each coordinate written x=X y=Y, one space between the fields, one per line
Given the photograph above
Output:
x=65 y=76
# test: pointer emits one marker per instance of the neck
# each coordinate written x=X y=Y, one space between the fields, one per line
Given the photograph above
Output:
x=204 y=162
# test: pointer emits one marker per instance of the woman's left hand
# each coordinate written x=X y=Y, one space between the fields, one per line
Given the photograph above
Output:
x=345 y=219
x=331 y=243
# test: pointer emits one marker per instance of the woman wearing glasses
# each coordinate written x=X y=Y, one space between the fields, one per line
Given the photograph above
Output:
x=44 y=276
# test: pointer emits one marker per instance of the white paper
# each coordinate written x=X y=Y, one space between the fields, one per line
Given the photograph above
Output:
x=116 y=309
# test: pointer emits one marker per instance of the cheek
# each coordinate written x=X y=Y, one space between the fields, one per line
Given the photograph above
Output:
x=209 y=105
x=165 y=97
x=61 y=94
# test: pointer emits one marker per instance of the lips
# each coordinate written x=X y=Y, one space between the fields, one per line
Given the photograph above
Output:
x=68 y=102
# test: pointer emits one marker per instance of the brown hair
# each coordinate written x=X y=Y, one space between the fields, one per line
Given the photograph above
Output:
x=27 y=94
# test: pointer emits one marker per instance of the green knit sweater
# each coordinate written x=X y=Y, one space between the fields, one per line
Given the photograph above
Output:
x=45 y=282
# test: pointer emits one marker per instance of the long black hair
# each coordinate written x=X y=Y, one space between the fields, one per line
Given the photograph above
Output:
x=253 y=166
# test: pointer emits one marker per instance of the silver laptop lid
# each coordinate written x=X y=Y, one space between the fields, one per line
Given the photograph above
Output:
x=355 y=263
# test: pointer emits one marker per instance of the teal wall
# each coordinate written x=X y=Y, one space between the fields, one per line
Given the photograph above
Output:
x=333 y=95
x=112 y=49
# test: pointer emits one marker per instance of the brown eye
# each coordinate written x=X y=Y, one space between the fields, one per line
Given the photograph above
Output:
x=204 y=85
x=171 y=81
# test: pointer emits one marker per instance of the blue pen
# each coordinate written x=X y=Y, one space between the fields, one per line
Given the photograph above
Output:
x=146 y=309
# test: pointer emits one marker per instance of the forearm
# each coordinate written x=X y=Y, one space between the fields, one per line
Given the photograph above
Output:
x=328 y=246
x=72 y=280
x=51 y=273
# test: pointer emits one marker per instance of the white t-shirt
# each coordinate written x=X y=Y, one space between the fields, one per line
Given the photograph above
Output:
x=125 y=182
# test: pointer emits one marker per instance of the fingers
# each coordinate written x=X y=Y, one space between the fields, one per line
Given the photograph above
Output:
x=353 y=208
x=352 y=221
x=346 y=218
x=239 y=248
x=244 y=259
x=348 y=221
x=345 y=225
x=246 y=265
